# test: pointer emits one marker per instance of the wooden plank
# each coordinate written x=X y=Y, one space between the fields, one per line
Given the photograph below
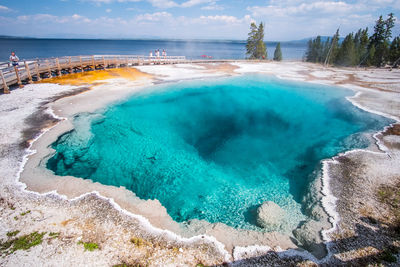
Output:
x=17 y=76
x=28 y=72
x=5 y=87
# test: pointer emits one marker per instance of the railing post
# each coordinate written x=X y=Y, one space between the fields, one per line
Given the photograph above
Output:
x=48 y=68
x=104 y=63
x=18 y=78
x=70 y=65
x=94 y=66
x=5 y=87
x=58 y=66
x=37 y=71
x=80 y=60
x=28 y=72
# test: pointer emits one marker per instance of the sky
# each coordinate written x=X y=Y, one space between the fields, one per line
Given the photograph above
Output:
x=189 y=19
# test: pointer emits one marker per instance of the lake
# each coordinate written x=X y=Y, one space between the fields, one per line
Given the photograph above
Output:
x=192 y=49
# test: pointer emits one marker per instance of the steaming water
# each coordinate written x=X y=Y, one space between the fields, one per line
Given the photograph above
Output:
x=215 y=150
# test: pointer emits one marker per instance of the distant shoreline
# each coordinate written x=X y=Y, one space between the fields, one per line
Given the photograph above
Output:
x=305 y=40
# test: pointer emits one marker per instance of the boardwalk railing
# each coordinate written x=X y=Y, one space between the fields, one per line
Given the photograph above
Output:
x=35 y=70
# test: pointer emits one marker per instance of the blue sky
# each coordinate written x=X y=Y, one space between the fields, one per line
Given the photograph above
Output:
x=203 y=19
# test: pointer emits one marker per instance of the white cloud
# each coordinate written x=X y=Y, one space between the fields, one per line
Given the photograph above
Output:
x=158 y=24
x=44 y=18
x=295 y=19
x=284 y=20
x=4 y=9
x=162 y=4
x=108 y=10
x=212 y=6
x=312 y=9
x=158 y=16
x=191 y=3
x=225 y=19
x=110 y=1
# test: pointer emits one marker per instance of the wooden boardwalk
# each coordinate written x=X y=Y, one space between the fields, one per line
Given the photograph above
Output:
x=36 y=70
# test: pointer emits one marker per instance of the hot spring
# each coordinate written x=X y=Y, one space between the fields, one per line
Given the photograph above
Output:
x=216 y=149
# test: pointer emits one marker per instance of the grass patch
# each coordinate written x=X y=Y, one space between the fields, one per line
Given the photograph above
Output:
x=26 y=212
x=89 y=245
x=24 y=242
x=54 y=234
x=13 y=233
x=139 y=242
x=388 y=256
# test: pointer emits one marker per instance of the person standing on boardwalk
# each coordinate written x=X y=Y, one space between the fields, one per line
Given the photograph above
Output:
x=14 y=59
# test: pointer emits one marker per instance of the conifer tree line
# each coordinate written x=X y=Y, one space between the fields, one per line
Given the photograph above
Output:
x=358 y=49
x=256 y=47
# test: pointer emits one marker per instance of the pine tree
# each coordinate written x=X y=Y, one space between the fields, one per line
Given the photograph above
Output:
x=361 y=41
x=261 y=47
x=346 y=55
x=255 y=46
x=370 y=56
x=278 y=53
x=315 y=50
x=318 y=46
x=251 y=41
x=326 y=49
x=389 y=24
x=333 y=49
x=395 y=52
x=309 y=57
x=380 y=39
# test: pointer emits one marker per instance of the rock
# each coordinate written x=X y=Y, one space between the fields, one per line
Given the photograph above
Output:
x=308 y=234
x=269 y=214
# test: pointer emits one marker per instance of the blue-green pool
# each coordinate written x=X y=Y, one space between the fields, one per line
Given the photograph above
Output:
x=216 y=149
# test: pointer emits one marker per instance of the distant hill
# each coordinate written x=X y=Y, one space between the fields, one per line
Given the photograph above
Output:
x=15 y=37
x=305 y=40
x=86 y=37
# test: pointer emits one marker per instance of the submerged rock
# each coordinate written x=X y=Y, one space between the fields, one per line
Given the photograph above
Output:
x=308 y=234
x=269 y=214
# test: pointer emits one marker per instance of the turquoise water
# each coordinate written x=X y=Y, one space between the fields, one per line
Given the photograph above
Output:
x=216 y=149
